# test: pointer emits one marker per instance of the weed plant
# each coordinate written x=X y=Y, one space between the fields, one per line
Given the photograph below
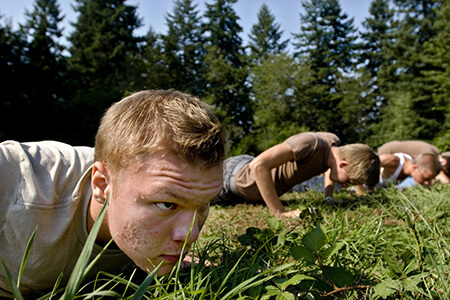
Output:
x=388 y=245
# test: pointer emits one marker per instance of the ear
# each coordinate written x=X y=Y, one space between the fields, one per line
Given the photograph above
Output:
x=100 y=182
x=342 y=164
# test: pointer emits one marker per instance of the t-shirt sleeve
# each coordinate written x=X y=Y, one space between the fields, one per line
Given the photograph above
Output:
x=37 y=173
x=10 y=175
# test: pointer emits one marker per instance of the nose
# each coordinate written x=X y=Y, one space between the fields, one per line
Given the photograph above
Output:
x=183 y=228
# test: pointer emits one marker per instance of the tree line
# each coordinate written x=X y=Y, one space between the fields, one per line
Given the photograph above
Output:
x=390 y=80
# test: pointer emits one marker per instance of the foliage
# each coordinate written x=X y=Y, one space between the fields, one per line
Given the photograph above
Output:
x=327 y=50
x=330 y=77
x=226 y=72
x=183 y=48
x=390 y=245
x=102 y=56
x=265 y=37
x=275 y=117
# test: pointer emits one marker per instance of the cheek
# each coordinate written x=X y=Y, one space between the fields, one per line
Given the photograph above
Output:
x=143 y=241
x=133 y=236
x=136 y=229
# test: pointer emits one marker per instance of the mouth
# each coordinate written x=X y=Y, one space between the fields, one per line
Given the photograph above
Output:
x=172 y=258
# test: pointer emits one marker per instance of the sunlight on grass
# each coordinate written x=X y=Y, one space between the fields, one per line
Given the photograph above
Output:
x=389 y=245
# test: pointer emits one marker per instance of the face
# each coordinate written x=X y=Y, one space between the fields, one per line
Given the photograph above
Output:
x=422 y=176
x=151 y=210
x=339 y=175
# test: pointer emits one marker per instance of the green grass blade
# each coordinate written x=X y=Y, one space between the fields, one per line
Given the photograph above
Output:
x=251 y=282
x=25 y=257
x=139 y=294
x=78 y=272
x=14 y=289
x=94 y=261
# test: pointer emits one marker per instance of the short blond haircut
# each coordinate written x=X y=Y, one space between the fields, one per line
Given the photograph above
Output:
x=428 y=162
x=363 y=164
x=159 y=120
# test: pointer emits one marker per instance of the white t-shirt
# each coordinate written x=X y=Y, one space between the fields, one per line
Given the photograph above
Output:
x=46 y=184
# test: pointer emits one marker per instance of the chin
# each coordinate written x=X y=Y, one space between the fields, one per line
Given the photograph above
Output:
x=164 y=269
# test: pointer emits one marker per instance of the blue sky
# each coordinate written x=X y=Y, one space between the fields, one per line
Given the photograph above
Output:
x=153 y=12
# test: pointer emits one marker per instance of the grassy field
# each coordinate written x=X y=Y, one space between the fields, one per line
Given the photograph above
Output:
x=389 y=245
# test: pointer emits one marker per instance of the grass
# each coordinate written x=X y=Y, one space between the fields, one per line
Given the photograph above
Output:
x=389 y=245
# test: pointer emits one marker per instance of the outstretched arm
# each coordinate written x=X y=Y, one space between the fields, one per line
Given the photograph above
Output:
x=329 y=184
x=261 y=168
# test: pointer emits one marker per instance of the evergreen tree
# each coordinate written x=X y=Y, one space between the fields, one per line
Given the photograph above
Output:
x=377 y=36
x=183 y=48
x=399 y=120
x=437 y=56
x=366 y=99
x=275 y=117
x=45 y=70
x=225 y=62
x=153 y=69
x=12 y=68
x=358 y=106
x=265 y=37
x=327 y=49
x=405 y=74
x=103 y=52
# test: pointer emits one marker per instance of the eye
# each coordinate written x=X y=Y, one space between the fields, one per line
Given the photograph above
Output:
x=165 y=205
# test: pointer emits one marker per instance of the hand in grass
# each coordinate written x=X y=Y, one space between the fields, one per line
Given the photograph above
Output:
x=331 y=200
x=289 y=214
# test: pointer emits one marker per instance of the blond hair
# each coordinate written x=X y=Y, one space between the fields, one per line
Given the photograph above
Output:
x=428 y=162
x=156 y=120
x=363 y=164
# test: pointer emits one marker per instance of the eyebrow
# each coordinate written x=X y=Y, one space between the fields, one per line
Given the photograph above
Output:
x=178 y=197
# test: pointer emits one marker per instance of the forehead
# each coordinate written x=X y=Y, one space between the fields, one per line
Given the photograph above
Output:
x=427 y=173
x=169 y=174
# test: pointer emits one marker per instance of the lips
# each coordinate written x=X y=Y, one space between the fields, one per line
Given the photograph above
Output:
x=172 y=258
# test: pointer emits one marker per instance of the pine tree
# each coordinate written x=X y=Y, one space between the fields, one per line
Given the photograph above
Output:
x=103 y=51
x=45 y=66
x=275 y=118
x=153 y=70
x=183 y=48
x=265 y=36
x=405 y=74
x=103 y=41
x=12 y=68
x=437 y=56
x=367 y=97
x=377 y=35
x=225 y=62
x=327 y=49
x=416 y=30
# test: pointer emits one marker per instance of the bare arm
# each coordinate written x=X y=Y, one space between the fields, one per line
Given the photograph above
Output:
x=389 y=163
x=261 y=168
x=329 y=184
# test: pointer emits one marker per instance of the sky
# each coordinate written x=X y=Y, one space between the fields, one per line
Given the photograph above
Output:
x=153 y=13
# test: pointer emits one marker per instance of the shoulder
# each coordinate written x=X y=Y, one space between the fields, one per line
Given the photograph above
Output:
x=41 y=172
x=306 y=143
x=411 y=147
x=329 y=138
x=389 y=160
x=314 y=138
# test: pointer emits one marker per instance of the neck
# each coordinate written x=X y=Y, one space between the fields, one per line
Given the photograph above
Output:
x=407 y=167
x=333 y=157
x=93 y=211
